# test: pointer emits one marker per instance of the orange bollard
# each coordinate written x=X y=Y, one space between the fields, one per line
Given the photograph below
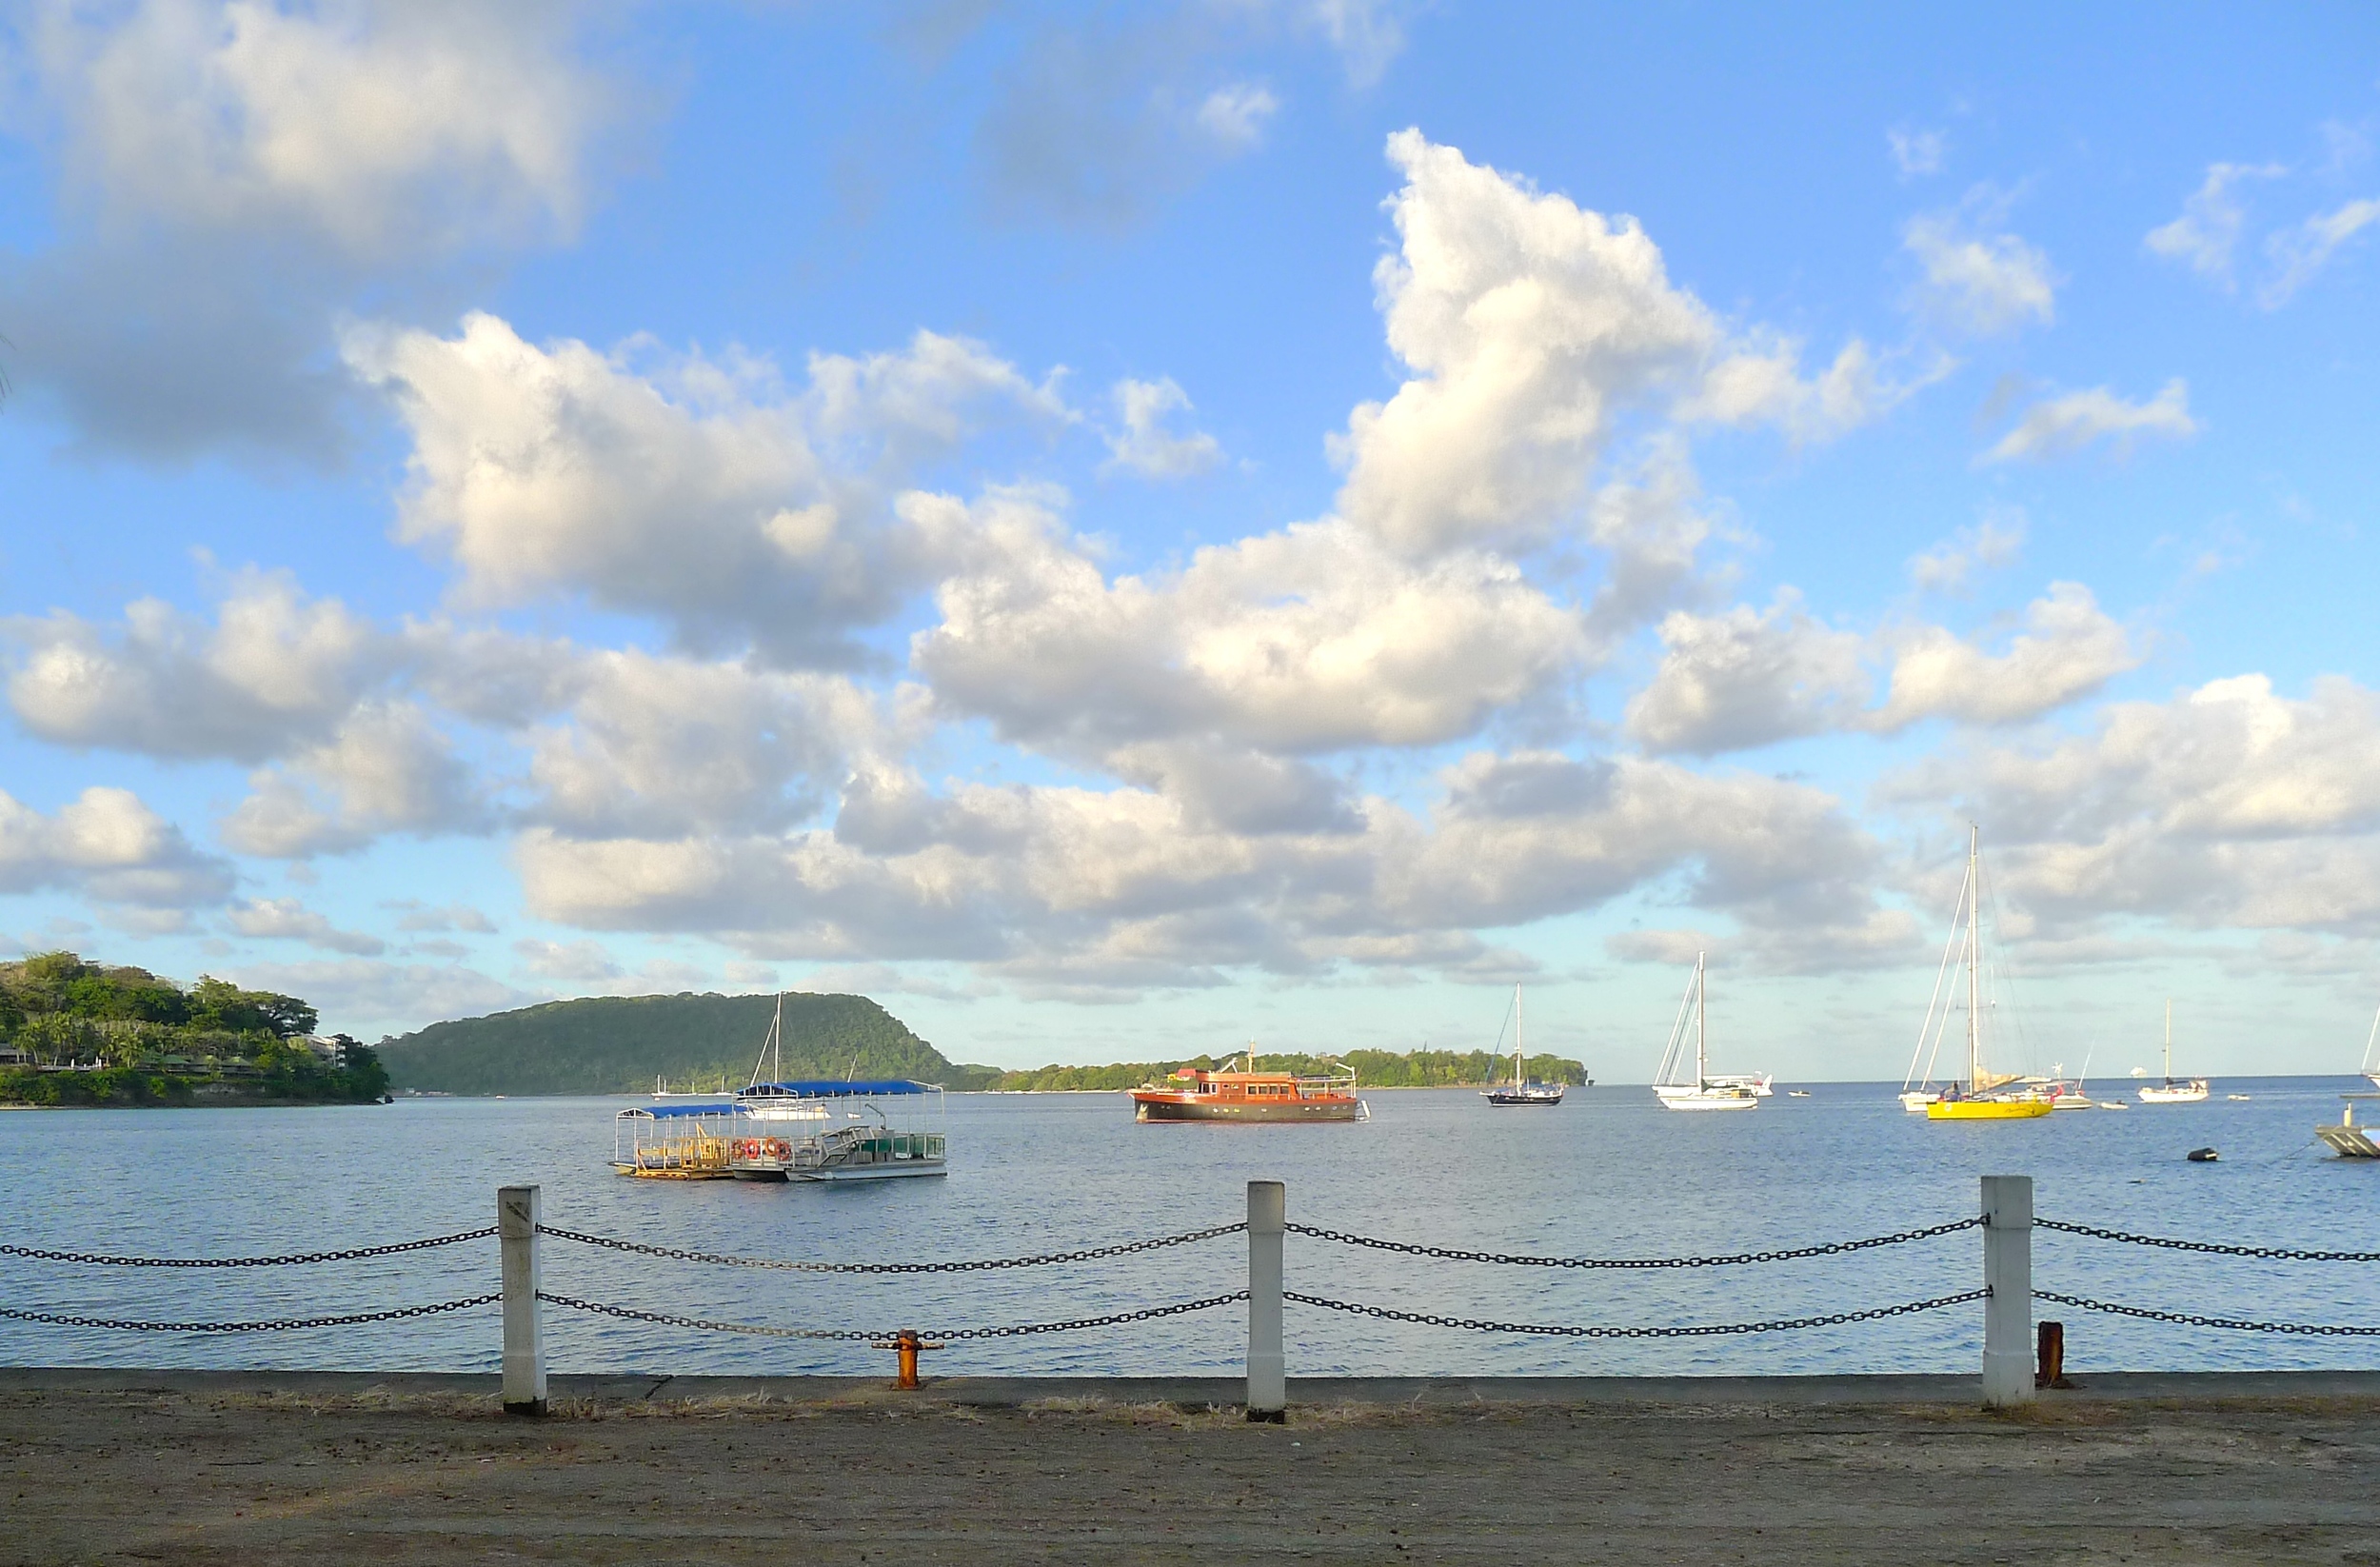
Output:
x=908 y=1343
x=2051 y=1361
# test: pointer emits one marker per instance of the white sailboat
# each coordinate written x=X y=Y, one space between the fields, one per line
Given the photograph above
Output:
x=1673 y=1086
x=2372 y=1052
x=2173 y=1090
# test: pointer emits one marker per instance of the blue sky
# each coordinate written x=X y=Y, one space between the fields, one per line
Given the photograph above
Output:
x=1121 y=531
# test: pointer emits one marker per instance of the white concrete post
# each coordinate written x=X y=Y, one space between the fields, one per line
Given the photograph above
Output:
x=2007 y=1274
x=1268 y=1392
x=524 y=1355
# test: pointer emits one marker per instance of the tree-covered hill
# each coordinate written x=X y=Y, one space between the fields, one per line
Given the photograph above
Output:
x=619 y=1044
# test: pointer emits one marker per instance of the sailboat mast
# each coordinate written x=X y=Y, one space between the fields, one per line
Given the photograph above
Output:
x=1974 y=986
x=2169 y=1042
x=1701 y=1010
x=1520 y=1030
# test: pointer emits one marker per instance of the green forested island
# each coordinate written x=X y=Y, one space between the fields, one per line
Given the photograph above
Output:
x=621 y=1044
x=626 y=1044
x=74 y=1032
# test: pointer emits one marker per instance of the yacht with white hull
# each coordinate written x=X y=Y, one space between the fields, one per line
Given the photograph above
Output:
x=1675 y=1086
x=2173 y=1090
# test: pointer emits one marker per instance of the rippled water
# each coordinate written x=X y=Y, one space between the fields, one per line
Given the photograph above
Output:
x=1609 y=1173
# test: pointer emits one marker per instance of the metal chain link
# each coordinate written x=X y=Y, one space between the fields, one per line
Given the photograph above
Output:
x=851 y=1335
x=1707 y=1331
x=1833 y=1248
x=300 y=1259
x=1045 y=1259
x=2282 y=1254
x=282 y=1326
x=2194 y=1320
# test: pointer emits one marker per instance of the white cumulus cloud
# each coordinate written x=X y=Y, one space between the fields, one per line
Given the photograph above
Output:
x=701 y=496
x=285 y=919
x=2058 y=426
x=1979 y=277
x=1528 y=323
x=385 y=127
x=2299 y=252
x=1144 y=446
x=2207 y=234
x=108 y=845
x=274 y=668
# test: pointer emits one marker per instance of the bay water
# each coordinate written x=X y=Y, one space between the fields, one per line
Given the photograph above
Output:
x=1608 y=1173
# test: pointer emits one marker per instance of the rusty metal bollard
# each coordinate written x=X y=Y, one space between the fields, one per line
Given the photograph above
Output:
x=908 y=1343
x=2050 y=1361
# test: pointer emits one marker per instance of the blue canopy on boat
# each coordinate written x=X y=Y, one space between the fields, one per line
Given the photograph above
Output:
x=665 y=1111
x=837 y=1088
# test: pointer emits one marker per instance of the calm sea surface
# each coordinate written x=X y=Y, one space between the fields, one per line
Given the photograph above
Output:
x=1609 y=1173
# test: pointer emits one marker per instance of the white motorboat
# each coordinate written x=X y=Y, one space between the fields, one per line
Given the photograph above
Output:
x=2173 y=1090
x=1679 y=1090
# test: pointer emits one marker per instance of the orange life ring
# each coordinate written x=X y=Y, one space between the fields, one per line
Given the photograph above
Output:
x=778 y=1149
x=751 y=1149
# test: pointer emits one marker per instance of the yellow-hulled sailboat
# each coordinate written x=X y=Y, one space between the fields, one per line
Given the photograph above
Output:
x=1984 y=1096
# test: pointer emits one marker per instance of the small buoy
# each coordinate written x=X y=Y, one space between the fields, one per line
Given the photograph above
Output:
x=2203 y=1156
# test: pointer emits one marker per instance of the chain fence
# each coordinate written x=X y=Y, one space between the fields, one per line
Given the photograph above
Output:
x=269 y=1325
x=1042 y=1260
x=297 y=1259
x=2192 y=1319
x=1510 y=1259
x=854 y=1336
x=2278 y=1254
x=1711 y=1330
x=1165 y=1243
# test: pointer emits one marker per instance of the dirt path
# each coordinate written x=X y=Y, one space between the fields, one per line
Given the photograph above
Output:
x=194 y=1478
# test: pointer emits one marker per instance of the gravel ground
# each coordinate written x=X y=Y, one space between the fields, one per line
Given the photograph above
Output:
x=95 y=1476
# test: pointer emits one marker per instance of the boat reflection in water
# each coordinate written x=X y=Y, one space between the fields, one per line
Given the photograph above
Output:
x=1248 y=1095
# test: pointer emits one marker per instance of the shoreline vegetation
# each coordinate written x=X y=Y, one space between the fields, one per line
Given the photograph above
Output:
x=1373 y=1069
x=705 y=1043
x=82 y=1035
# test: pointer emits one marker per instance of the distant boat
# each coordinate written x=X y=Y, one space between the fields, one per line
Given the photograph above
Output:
x=1673 y=1085
x=2173 y=1090
x=1522 y=1090
x=2372 y=1052
x=1797 y=1093
x=1983 y=1095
